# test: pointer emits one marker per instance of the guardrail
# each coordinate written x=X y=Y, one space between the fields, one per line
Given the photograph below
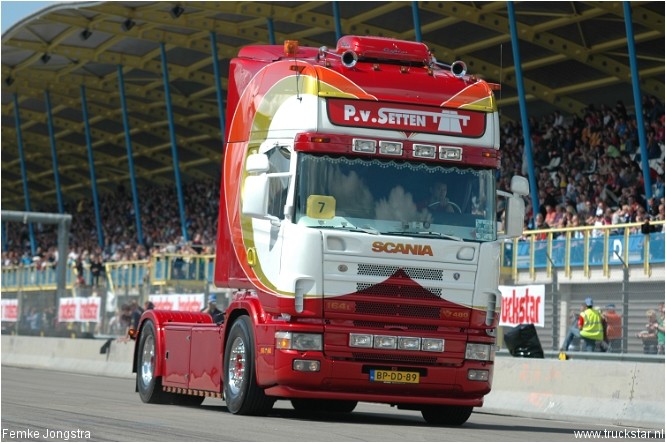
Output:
x=584 y=247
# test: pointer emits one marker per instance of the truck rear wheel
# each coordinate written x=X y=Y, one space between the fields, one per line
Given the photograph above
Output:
x=149 y=386
x=446 y=415
x=241 y=393
x=315 y=405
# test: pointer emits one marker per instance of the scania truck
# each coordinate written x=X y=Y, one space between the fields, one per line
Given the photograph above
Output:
x=359 y=234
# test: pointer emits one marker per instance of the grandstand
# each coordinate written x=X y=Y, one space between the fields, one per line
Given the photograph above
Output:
x=112 y=112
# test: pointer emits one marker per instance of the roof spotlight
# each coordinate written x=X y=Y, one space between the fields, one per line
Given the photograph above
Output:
x=128 y=24
x=45 y=58
x=85 y=34
x=177 y=11
x=9 y=80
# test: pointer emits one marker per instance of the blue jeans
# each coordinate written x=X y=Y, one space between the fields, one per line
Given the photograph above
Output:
x=574 y=332
x=590 y=344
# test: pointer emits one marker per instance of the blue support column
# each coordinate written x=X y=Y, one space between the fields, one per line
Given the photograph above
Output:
x=417 y=21
x=218 y=85
x=91 y=163
x=174 y=148
x=523 y=111
x=24 y=175
x=271 y=31
x=54 y=153
x=336 y=19
x=130 y=156
x=635 y=83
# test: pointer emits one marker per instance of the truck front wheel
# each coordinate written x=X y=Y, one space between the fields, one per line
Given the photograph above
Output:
x=241 y=392
x=446 y=415
x=149 y=386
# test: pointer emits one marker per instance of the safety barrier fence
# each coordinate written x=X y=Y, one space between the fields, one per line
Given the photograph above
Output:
x=585 y=248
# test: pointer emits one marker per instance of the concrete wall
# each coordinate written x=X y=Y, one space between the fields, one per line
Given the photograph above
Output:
x=610 y=392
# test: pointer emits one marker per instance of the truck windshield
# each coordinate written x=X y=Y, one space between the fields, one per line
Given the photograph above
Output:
x=395 y=197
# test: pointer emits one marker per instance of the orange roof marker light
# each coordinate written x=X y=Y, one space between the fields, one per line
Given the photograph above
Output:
x=290 y=47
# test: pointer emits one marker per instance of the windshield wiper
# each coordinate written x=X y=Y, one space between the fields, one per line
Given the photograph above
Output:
x=350 y=229
x=424 y=234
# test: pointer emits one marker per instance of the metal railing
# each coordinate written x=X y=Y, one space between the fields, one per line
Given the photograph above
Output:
x=584 y=248
x=568 y=248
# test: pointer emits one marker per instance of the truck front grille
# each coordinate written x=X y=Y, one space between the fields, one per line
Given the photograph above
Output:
x=387 y=271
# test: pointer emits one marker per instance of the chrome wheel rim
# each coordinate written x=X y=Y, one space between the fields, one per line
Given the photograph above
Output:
x=237 y=365
x=148 y=360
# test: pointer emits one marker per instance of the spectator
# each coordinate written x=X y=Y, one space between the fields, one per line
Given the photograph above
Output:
x=136 y=312
x=660 y=330
x=649 y=334
x=213 y=311
x=96 y=270
x=121 y=322
x=613 y=329
x=572 y=340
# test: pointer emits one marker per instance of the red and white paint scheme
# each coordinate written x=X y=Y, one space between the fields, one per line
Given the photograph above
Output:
x=358 y=230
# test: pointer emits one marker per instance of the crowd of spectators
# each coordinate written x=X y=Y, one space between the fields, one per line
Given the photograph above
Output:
x=587 y=169
x=160 y=223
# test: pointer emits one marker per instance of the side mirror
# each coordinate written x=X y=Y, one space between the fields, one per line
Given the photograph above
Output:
x=515 y=207
x=255 y=195
x=514 y=217
x=520 y=185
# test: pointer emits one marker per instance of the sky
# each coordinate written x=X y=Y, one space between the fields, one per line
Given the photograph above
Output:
x=14 y=11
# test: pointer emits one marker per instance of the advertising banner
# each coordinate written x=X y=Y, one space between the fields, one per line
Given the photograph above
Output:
x=523 y=304
x=178 y=302
x=10 y=309
x=79 y=309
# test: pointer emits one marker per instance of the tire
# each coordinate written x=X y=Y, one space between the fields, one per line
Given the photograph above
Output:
x=241 y=393
x=149 y=386
x=446 y=415
x=332 y=406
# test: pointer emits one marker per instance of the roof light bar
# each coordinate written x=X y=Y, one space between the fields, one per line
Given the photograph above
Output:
x=450 y=153
x=425 y=151
x=364 y=145
x=390 y=148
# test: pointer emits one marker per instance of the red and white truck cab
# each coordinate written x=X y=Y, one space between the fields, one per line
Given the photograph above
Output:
x=358 y=230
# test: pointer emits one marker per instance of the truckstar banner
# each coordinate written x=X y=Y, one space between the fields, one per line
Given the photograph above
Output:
x=522 y=304
x=178 y=302
x=10 y=309
x=79 y=309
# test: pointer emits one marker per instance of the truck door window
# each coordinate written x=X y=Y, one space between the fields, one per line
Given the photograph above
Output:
x=278 y=159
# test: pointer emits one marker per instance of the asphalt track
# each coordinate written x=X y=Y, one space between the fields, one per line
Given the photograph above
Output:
x=43 y=405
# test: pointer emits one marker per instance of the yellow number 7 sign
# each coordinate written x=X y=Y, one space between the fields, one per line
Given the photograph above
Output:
x=321 y=206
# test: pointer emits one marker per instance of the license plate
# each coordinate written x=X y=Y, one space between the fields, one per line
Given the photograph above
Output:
x=383 y=376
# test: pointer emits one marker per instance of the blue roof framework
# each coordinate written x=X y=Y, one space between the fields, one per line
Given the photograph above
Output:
x=573 y=54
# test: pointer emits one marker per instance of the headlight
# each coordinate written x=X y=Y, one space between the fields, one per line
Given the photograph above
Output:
x=385 y=341
x=298 y=341
x=360 y=340
x=409 y=343
x=433 y=345
x=478 y=351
